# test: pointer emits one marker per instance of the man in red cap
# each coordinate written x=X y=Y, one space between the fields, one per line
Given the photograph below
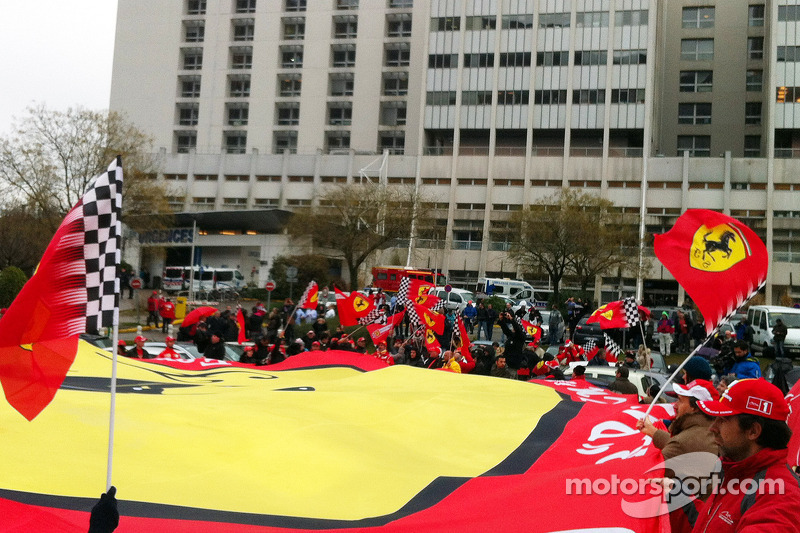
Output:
x=153 y=303
x=138 y=351
x=758 y=491
x=122 y=348
x=169 y=352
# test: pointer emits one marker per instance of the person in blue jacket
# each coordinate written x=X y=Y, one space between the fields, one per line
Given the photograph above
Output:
x=745 y=365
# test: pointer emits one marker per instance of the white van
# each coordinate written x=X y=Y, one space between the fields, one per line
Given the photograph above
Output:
x=456 y=299
x=228 y=278
x=513 y=289
x=763 y=317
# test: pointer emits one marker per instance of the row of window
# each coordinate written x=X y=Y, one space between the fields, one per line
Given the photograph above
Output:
x=549 y=59
x=595 y=19
x=198 y=7
x=701 y=81
x=700 y=145
x=702 y=17
x=703 y=49
x=235 y=142
x=700 y=113
x=546 y=96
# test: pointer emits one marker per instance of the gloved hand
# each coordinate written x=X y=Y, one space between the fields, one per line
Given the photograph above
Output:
x=105 y=516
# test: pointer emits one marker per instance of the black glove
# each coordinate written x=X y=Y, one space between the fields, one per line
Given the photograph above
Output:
x=105 y=516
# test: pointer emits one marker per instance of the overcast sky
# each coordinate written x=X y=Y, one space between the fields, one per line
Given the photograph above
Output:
x=56 y=52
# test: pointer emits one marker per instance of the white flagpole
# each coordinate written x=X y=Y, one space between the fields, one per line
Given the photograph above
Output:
x=115 y=336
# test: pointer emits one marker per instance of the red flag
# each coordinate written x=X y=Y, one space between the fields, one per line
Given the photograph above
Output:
x=242 y=338
x=717 y=259
x=610 y=315
x=352 y=307
x=74 y=289
x=427 y=300
x=430 y=319
x=379 y=332
x=432 y=343
x=532 y=330
x=462 y=339
x=417 y=288
x=310 y=297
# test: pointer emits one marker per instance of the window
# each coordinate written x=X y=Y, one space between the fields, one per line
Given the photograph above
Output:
x=238 y=114
x=288 y=114
x=476 y=98
x=345 y=28
x=440 y=98
x=243 y=30
x=752 y=145
x=343 y=57
x=194 y=31
x=445 y=24
x=589 y=96
x=393 y=114
x=394 y=141
x=516 y=22
x=591 y=57
x=512 y=97
x=755 y=80
x=397 y=55
x=481 y=23
x=755 y=15
x=294 y=29
x=190 y=86
x=245 y=6
x=289 y=84
x=192 y=59
x=340 y=113
x=696 y=81
x=292 y=56
x=266 y=202
x=467 y=234
x=554 y=20
x=627 y=96
x=592 y=19
x=295 y=5
x=242 y=58
x=698 y=17
x=398 y=27
x=196 y=7
x=697 y=49
x=478 y=60
x=550 y=96
x=341 y=84
x=235 y=142
x=515 y=59
x=694 y=114
x=752 y=113
x=238 y=86
x=755 y=47
x=401 y=3
x=285 y=140
x=346 y=4
x=789 y=53
x=788 y=13
x=185 y=141
x=630 y=57
x=696 y=145
x=395 y=83
x=337 y=140
x=187 y=114
x=552 y=59
x=443 y=61
x=631 y=18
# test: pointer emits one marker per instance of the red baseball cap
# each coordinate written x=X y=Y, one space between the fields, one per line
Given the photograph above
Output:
x=140 y=338
x=121 y=343
x=699 y=389
x=749 y=396
x=169 y=339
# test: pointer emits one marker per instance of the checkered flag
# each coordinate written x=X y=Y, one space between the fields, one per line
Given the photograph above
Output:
x=101 y=205
x=373 y=317
x=631 y=310
x=589 y=345
x=612 y=346
x=402 y=292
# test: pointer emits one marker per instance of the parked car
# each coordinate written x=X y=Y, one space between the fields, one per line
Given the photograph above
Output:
x=101 y=341
x=189 y=351
x=584 y=332
x=607 y=374
x=456 y=299
x=763 y=317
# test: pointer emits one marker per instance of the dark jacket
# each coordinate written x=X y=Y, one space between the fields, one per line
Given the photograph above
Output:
x=215 y=351
x=623 y=386
x=515 y=342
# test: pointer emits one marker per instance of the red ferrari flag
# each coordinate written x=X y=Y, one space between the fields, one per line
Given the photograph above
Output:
x=418 y=288
x=379 y=332
x=532 y=330
x=428 y=300
x=717 y=259
x=619 y=314
x=310 y=297
x=461 y=338
x=430 y=319
x=75 y=289
x=432 y=343
x=352 y=307
x=242 y=337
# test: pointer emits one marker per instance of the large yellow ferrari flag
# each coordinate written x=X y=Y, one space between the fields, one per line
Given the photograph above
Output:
x=318 y=445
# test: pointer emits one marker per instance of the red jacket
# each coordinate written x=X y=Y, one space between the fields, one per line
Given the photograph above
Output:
x=153 y=303
x=167 y=310
x=762 y=511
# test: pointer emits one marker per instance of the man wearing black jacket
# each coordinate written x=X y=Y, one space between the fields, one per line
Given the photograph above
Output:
x=515 y=339
x=215 y=350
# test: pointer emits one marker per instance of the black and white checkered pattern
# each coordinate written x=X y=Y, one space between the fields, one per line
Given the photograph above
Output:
x=631 y=309
x=612 y=346
x=102 y=206
x=589 y=345
x=402 y=292
x=373 y=317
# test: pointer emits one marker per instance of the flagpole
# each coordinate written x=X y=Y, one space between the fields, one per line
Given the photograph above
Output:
x=112 y=409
